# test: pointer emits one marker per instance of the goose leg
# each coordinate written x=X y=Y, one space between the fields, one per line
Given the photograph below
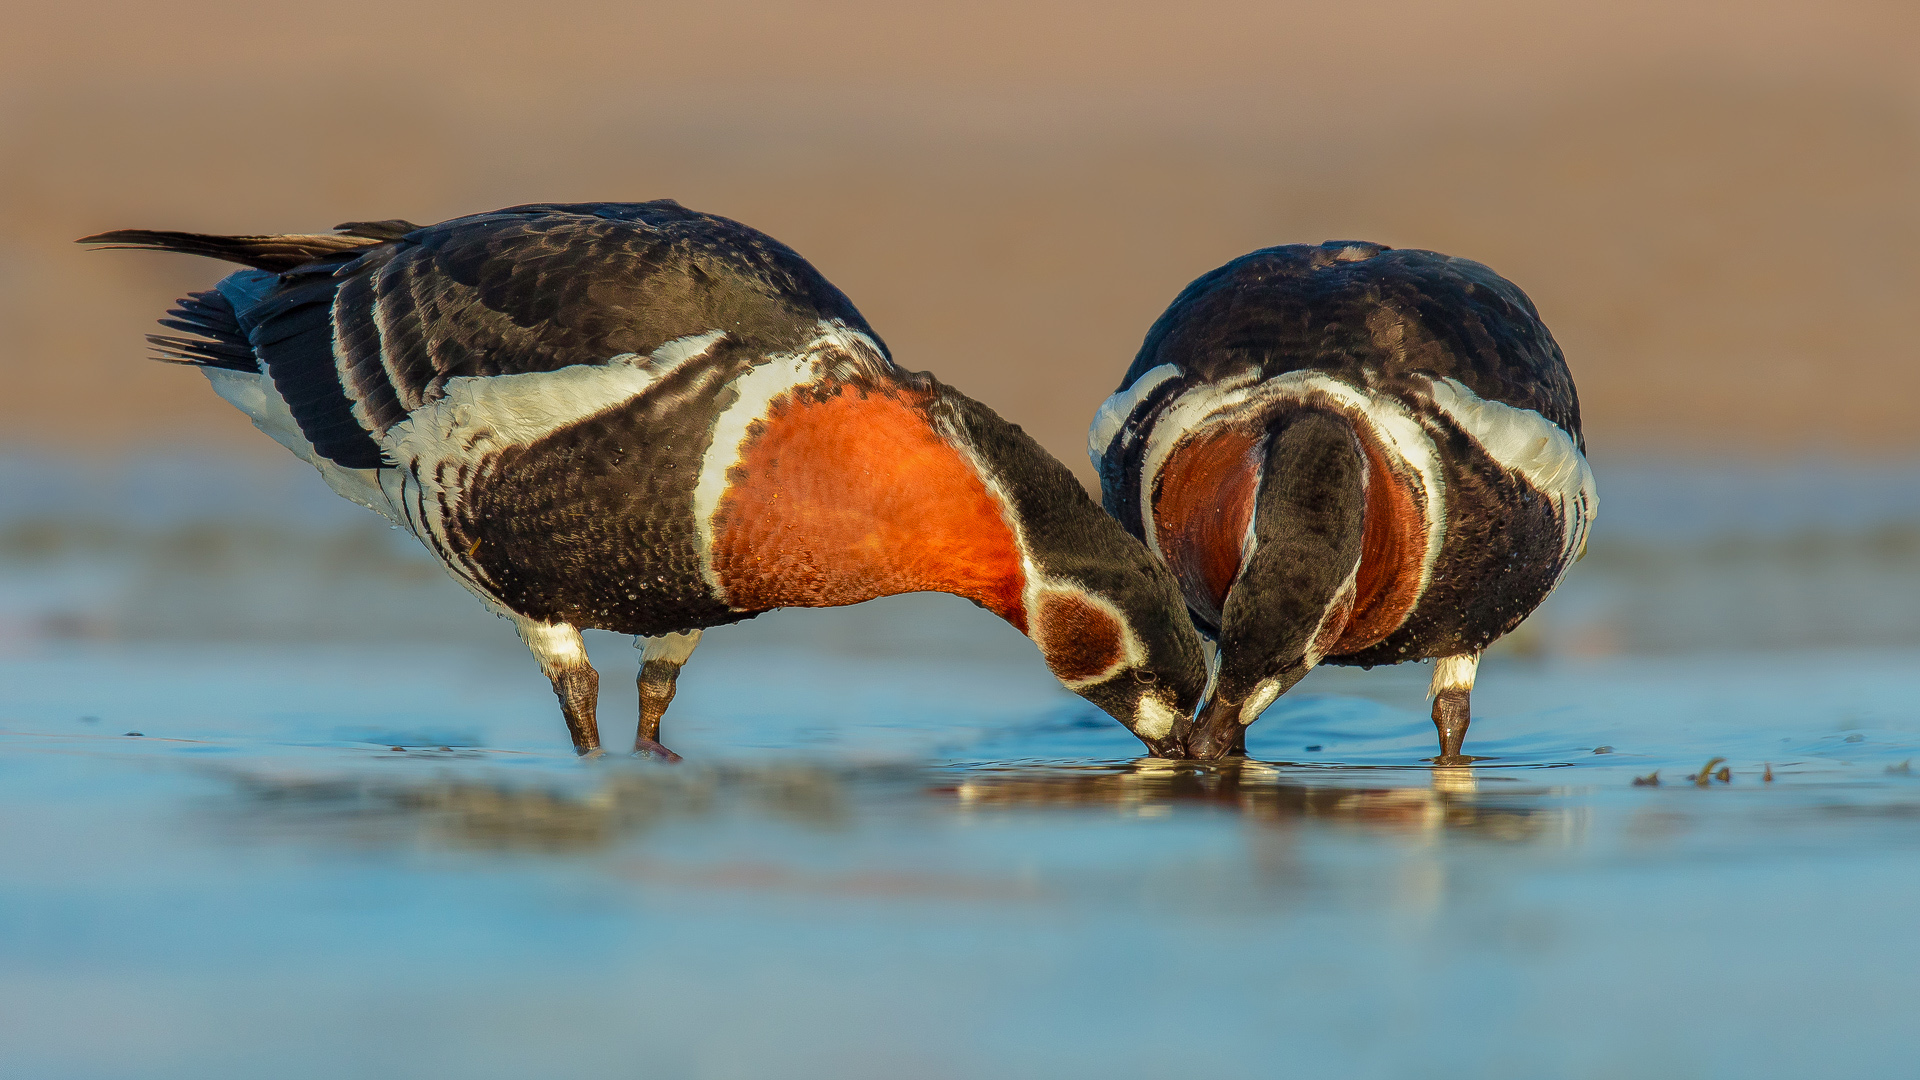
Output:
x=563 y=659
x=1451 y=692
x=659 y=672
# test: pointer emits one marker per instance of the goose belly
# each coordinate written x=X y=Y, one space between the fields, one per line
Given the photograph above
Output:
x=593 y=525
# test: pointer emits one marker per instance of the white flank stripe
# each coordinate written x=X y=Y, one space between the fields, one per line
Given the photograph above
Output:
x=478 y=414
x=674 y=353
x=1113 y=414
x=1527 y=443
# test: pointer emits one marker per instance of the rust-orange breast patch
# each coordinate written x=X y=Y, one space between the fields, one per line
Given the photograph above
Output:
x=1203 y=500
x=851 y=494
x=1392 y=551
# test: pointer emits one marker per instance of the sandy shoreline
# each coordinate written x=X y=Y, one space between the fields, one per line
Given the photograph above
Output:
x=1717 y=236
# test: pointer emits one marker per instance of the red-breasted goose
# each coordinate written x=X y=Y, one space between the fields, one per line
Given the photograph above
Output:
x=639 y=418
x=1348 y=454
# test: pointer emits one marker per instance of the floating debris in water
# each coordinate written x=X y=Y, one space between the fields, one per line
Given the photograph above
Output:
x=1652 y=779
x=1706 y=774
x=1603 y=749
x=133 y=734
x=1856 y=738
x=1768 y=778
x=1905 y=768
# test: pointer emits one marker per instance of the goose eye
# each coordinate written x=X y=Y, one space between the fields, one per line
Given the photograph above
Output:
x=1145 y=676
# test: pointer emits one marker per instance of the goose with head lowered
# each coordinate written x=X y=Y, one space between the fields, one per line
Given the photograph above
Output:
x=1348 y=454
x=640 y=418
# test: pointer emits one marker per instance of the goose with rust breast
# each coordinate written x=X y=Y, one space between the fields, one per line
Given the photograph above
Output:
x=640 y=418
x=1348 y=454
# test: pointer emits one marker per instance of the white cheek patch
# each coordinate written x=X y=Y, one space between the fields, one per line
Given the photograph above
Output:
x=1258 y=701
x=1114 y=413
x=1153 y=718
x=1525 y=442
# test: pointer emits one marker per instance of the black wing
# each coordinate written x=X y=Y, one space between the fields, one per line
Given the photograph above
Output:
x=355 y=341
x=1352 y=307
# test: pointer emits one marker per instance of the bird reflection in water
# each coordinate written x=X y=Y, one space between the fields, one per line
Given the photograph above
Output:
x=1453 y=801
x=489 y=811
x=496 y=810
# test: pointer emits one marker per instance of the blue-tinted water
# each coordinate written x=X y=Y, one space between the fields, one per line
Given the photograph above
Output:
x=897 y=849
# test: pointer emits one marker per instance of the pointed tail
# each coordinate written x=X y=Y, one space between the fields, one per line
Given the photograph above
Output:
x=275 y=253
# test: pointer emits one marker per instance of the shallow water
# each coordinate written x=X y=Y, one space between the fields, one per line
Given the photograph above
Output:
x=349 y=840
x=857 y=883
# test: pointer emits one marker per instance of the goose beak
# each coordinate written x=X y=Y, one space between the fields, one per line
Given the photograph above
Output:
x=1217 y=732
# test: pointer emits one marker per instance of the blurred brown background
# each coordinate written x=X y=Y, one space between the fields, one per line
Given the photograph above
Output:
x=1715 y=207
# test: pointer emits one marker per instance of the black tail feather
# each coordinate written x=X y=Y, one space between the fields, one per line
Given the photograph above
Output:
x=275 y=253
x=389 y=229
x=221 y=343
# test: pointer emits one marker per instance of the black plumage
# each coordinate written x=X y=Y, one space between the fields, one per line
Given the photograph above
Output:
x=1344 y=337
x=538 y=394
x=1368 y=311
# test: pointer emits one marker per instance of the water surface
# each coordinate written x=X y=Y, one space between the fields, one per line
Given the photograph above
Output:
x=348 y=838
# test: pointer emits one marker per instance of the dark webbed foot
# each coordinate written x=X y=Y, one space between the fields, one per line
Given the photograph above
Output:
x=645 y=747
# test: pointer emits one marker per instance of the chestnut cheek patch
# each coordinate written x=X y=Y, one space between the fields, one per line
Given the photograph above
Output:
x=1078 y=639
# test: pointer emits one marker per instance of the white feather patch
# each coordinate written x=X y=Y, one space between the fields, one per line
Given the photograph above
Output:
x=1454 y=673
x=1114 y=412
x=1525 y=442
x=478 y=414
x=1153 y=718
x=557 y=646
x=255 y=396
x=672 y=648
x=1263 y=695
